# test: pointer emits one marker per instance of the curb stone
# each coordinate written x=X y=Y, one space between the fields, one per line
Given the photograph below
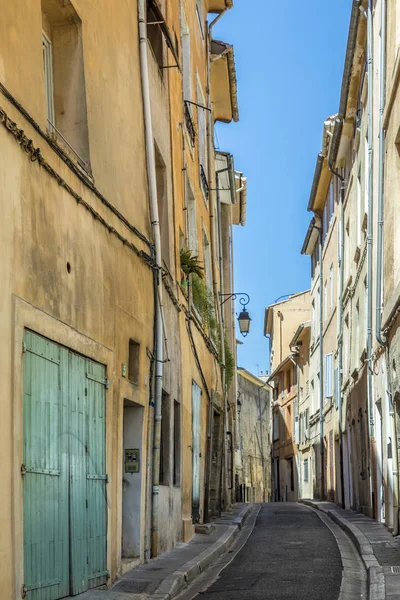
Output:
x=375 y=574
x=177 y=581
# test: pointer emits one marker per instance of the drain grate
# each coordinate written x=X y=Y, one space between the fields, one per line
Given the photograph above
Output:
x=395 y=570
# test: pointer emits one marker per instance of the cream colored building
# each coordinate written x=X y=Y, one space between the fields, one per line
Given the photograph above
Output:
x=359 y=155
x=112 y=377
x=282 y=320
x=253 y=473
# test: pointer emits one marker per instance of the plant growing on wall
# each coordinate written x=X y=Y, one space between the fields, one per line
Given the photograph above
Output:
x=190 y=264
x=229 y=365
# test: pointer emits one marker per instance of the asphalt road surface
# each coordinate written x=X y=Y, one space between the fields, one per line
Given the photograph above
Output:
x=290 y=555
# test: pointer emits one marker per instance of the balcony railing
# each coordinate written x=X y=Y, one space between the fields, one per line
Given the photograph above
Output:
x=189 y=123
x=204 y=182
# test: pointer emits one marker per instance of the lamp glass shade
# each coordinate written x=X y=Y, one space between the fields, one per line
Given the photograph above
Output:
x=244 y=322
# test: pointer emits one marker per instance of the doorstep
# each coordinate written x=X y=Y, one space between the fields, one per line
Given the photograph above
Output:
x=164 y=577
x=379 y=550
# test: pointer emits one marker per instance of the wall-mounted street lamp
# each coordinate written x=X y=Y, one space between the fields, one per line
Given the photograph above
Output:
x=244 y=319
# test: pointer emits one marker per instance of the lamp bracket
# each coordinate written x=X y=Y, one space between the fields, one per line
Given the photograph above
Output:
x=244 y=300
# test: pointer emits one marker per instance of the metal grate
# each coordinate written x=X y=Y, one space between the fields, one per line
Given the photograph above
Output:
x=395 y=570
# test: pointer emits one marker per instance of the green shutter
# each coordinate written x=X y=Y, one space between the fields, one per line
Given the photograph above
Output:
x=45 y=475
x=65 y=508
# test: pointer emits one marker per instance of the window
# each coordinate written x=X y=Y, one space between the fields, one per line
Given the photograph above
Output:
x=165 y=439
x=294 y=374
x=289 y=380
x=312 y=396
x=200 y=15
x=331 y=294
x=276 y=426
x=313 y=321
x=207 y=262
x=336 y=391
x=307 y=387
x=283 y=424
x=328 y=376
x=291 y=474
x=306 y=421
x=305 y=470
x=347 y=250
x=192 y=220
x=357 y=334
x=186 y=62
x=359 y=224
x=64 y=77
x=366 y=174
x=325 y=301
x=48 y=77
x=314 y=259
x=202 y=134
x=177 y=444
x=365 y=311
x=346 y=343
x=162 y=201
x=296 y=423
x=155 y=37
x=134 y=362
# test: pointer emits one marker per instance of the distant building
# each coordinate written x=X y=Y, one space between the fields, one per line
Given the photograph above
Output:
x=282 y=320
x=253 y=454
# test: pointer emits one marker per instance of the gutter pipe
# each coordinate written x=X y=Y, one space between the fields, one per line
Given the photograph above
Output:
x=321 y=362
x=379 y=267
x=340 y=340
x=371 y=427
x=152 y=181
x=210 y=146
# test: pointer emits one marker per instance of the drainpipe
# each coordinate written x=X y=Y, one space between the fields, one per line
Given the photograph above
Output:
x=321 y=366
x=379 y=265
x=340 y=341
x=371 y=431
x=152 y=182
x=214 y=246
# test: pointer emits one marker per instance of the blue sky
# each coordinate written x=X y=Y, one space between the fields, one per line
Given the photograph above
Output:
x=289 y=63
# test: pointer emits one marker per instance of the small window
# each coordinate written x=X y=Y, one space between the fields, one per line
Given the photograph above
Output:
x=155 y=37
x=48 y=77
x=305 y=470
x=276 y=426
x=177 y=444
x=328 y=375
x=163 y=206
x=200 y=15
x=165 y=439
x=64 y=75
x=134 y=362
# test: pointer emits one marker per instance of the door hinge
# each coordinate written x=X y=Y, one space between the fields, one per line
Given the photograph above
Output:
x=23 y=469
x=107 y=478
x=24 y=591
x=85 y=391
x=106 y=383
x=23 y=347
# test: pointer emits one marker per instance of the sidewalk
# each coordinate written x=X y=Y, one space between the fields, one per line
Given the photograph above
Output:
x=379 y=550
x=166 y=576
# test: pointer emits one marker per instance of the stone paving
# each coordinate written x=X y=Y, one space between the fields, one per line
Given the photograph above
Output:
x=185 y=560
x=385 y=547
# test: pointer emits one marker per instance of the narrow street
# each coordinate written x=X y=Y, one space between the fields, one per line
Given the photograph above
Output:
x=290 y=555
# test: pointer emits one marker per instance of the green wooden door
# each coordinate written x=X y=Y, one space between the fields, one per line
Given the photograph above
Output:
x=64 y=471
x=45 y=470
